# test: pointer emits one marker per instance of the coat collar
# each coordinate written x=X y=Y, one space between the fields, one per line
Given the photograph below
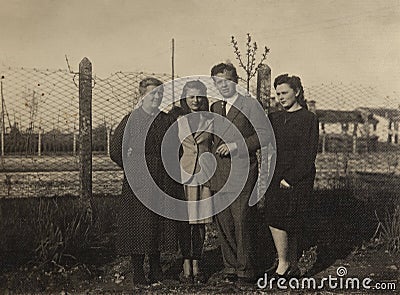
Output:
x=204 y=124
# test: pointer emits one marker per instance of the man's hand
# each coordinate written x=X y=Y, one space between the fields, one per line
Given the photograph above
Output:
x=284 y=184
x=223 y=150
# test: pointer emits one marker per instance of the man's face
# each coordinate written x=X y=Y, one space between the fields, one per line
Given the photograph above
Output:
x=152 y=98
x=225 y=85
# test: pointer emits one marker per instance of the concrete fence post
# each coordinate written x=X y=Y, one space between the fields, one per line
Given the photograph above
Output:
x=264 y=86
x=85 y=134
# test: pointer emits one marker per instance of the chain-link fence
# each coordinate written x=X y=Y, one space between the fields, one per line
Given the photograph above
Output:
x=39 y=131
x=358 y=136
x=40 y=119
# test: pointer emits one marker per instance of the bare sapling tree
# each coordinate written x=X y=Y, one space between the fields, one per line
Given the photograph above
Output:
x=248 y=62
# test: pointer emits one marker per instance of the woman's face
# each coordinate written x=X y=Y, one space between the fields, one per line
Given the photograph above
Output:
x=286 y=96
x=194 y=99
x=152 y=98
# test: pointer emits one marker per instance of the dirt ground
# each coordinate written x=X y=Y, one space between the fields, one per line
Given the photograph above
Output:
x=338 y=242
x=114 y=277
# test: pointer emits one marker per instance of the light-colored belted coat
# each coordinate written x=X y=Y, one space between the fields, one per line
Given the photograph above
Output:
x=197 y=166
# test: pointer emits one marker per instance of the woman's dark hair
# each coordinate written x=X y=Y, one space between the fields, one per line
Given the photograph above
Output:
x=196 y=84
x=295 y=83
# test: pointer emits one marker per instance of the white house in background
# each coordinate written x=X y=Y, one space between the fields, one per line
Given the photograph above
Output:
x=336 y=121
x=388 y=128
x=366 y=99
x=342 y=130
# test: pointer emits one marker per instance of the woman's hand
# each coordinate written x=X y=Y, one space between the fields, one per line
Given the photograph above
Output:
x=284 y=184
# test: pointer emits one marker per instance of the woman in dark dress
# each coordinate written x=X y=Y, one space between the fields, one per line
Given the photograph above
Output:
x=288 y=196
x=140 y=230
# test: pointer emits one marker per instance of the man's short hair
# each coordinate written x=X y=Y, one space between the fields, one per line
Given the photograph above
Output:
x=225 y=67
x=149 y=81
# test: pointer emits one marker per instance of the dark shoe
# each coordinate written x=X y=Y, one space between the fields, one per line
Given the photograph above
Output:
x=156 y=276
x=294 y=272
x=199 y=278
x=138 y=273
x=140 y=279
x=246 y=281
x=291 y=272
x=270 y=271
x=230 y=277
x=185 y=279
x=155 y=273
x=275 y=276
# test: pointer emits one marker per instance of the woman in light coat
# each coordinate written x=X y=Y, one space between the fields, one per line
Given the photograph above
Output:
x=195 y=127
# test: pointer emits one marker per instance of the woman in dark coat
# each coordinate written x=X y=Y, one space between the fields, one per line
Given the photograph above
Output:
x=140 y=230
x=288 y=196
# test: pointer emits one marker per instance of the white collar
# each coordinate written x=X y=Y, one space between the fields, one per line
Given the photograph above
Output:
x=231 y=100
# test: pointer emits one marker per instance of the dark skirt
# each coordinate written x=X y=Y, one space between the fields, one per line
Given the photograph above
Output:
x=140 y=230
x=287 y=209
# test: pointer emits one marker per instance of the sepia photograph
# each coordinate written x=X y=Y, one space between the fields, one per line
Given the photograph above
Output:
x=200 y=147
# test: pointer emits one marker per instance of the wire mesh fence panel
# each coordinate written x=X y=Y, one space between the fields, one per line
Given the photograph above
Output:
x=39 y=133
x=113 y=98
x=40 y=118
x=358 y=135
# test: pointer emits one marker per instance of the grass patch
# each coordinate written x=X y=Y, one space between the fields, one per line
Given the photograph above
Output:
x=54 y=230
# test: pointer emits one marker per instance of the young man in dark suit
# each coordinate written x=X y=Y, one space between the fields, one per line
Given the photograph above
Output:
x=236 y=146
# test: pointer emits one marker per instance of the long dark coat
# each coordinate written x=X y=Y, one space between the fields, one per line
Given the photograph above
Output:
x=296 y=135
x=140 y=230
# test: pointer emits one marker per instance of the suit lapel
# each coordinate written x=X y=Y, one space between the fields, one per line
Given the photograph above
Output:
x=233 y=112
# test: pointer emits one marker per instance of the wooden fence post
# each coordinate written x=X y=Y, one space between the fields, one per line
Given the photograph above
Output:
x=85 y=134
x=264 y=86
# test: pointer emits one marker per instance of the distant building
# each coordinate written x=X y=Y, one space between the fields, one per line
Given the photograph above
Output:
x=344 y=126
x=388 y=128
x=342 y=131
x=346 y=131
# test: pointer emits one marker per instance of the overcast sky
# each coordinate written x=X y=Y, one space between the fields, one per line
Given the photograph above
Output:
x=355 y=41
